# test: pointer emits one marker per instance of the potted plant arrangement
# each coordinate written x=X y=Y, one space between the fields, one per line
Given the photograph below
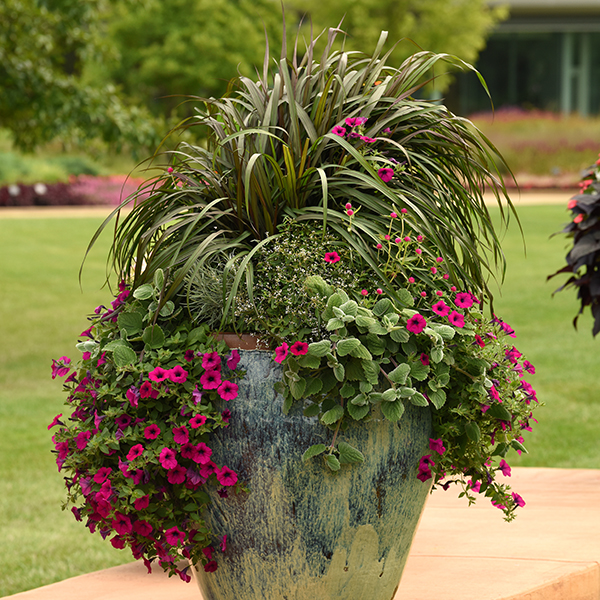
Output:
x=340 y=222
x=584 y=229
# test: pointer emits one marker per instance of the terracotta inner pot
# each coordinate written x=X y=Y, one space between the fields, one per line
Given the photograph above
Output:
x=244 y=341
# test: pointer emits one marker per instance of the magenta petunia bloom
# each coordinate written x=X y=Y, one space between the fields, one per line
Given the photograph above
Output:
x=210 y=380
x=475 y=486
x=167 y=458
x=197 y=395
x=424 y=474
x=174 y=536
x=226 y=415
x=211 y=361
x=55 y=421
x=133 y=396
x=102 y=474
x=203 y=454
x=437 y=446
x=332 y=257
x=158 y=374
x=152 y=432
x=142 y=528
x=233 y=359
x=197 y=421
x=479 y=341
x=189 y=355
x=135 y=451
x=529 y=367
x=141 y=503
x=424 y=359
x=226 y=476
x=178 y=374
x=228 y=390
x=518 y=500
x=224 y=543
x=82 y=439
x=385 y=174
x=416 y=324
x=181 y=435
x=367 y=139
x=281 y=352
x=299 y=348
x=123 y=421
x=464 y=300
x=505 y=468
x=338 y=130
x=146 y=390
x=211 y=566
x=176 y=475
x=60 y=367
x=441 y=308
x=101 y=360
x=456 y=319
x=189 y=451
x=121 y=524
x=493 y=392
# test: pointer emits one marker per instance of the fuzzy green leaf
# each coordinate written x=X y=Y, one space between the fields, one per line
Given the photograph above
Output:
x=132 y=322
x=358 y=412
x=312 y=410
x=400 y=335
x=371 y=369
x=383 y=306
x=297 y=387
x=499 y=412
x=339 y=372
x=405 y=297
x=361 y=352
x=314 y=386
x=400 y=373
x=124 y=356
x=436 y=355
x=167 y=309
x=144 y=292
x=472 y=430
x=375 y=344
x=438 y=398
x=419 y=400
x=363 y=321
x=349 y=454
x=332 y=462
x=153 y=336
x=346 y=346
x=445 y=331
x=393 y=411
x=334 y=323
x=319 y=348
x=360 y=400
x=287 y=404
x=333 y=415
x=389 y=395
x=419 y=371
x=314 y=450
x=309 y=362
x=347 y=390
x=349 y=308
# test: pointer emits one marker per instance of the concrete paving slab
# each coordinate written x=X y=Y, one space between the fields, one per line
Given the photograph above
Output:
x=550 y=552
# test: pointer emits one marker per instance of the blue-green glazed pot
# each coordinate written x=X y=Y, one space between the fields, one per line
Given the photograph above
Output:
x=303 y=532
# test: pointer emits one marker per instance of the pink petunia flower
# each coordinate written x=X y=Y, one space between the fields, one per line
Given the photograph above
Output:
x=226 y=476
x=197 y=421
x=167 y=458
x=456 y=319
x=332 y=257
x=210 y=380
x=281 y=352
x=142 y=528
x=385 y=174
x=416 y=324
x=189 y=355
x=178 y=374
x=55 y=421
x=441 y=308
x=211 y=566
x=133 y=395
x=228 y=390
x=479 y=341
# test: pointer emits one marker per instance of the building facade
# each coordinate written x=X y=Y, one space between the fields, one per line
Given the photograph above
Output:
x=546 y=55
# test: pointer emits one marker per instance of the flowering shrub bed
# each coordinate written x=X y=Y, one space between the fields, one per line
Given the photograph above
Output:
x=145 y=396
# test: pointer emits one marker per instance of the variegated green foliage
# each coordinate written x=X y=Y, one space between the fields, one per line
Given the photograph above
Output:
x=270 y=153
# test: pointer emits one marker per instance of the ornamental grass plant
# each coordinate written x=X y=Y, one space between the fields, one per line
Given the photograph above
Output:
x=342 y=222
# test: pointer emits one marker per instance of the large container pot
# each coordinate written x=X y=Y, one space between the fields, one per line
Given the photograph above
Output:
x=303 y=532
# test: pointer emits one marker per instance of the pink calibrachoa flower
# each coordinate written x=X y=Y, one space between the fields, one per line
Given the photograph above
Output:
x=181 y=435
x=226 y=476
x=338 y=130
x=332 y=257
x=385 y=174
x=367 y=139
x=233 y=359
x=135 y=451
x=203 y=454
x=158 y=374
x=167 y=458
x=123 y=421
x=197 y=421
x=228 y=390
x=211 y=361
x=178 y=374
x=281 y=352
x=529 y=367
x=505 y=468
x=416 y=324
x=121 y=524
x=152 y=432
x=437 y=446
x=60 y=367
x=210 y=380
x=174 y=536
x=456 y=319
x=82 y=439
x=141 y=503
x=464 y=300
x=518 y=500
x=299 y=348
x=146 y=390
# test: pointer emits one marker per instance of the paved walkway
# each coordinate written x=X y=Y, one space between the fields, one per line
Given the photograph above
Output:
x=550 y=552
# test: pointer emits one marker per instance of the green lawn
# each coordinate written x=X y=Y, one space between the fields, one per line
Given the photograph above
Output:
x=42 y=310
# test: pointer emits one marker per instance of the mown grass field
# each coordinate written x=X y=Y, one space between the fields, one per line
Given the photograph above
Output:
x=42 y=310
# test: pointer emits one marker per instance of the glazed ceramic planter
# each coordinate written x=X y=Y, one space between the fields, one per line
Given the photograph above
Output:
x=303 y=532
